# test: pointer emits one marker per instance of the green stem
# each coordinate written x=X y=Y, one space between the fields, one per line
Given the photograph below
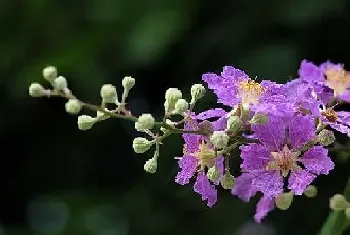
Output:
x=337 y=222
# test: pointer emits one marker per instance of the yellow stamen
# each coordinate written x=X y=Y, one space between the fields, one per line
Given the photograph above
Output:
x=330 y=114
x=284 y=161
x=338 y=79
x=250 y=92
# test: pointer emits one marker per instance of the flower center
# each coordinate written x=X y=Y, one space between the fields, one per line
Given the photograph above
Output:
x=250 y=92
x=284 y=160
x=204 y=154
x=330 y=114
x=337 y=79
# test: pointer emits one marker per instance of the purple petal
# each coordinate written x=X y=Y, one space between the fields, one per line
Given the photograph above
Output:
x=243 y=187
x=310 y=73
x=340 y=127
x=343 y=117
x=255 y=157
x=299 y=180
x=231 y=73
x=264 y=206
x=271 y=134
x=218 y=112
x=270 y=183
x=301 y=130
x=220 y=166
x=188 y=165
x=192 y=141
x=205 y=189
x=316 y=160
x=220 y=124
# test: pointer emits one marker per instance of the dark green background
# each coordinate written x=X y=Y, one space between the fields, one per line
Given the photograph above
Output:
x=56 y=179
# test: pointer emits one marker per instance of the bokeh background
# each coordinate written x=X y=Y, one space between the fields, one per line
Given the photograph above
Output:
x=56 y=179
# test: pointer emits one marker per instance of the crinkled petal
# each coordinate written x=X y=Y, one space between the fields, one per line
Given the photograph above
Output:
x=192 y=141
x=264 y=206
x=220 y=124
x=340 y=127
x=299 y=180
x=301 y=130
x=205 y=189
x=270 y=183
x=217 y=112
x=343 y=117
x=230 y=73
x=271 y=134
x=188 y=165
x=316 y=160
x=243 y=187
x=310 y=73
x=345 y=96
x=255 y=157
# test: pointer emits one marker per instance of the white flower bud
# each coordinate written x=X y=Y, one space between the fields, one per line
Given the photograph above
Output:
x=108 y=93
x=144 y=122
x=37 y=90
x=338 y=203
x=85 y=122
x=50 y=73
x=151 y=165
x=259 y=118
x=326 y=137
x=197 y=92
x=284 y=200
x=213 y=173
x=128 y=82
x=234 y=124
x=227 y=181
x=310 y=191
x=181 y=106
x=219 y=139
x=171 y=96
x=141 y=145
x=60 y=83
x=73 y=106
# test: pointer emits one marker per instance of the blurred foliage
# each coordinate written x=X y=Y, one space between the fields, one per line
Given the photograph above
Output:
x=58 y=180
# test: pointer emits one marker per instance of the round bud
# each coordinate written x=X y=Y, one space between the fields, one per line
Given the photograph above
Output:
x=50 y=73
x=284 y=200
x=181 y=106
x=151 y=165
x=141 y=145
x=338 y=203
x=227 y=181
x=60 y=83
x=326 y=137
x=310 y=191
x=128 y=82
x=234 y=124
x=37 y=90
x=73 y=106
x=219 y=139
x=197 y=92
x=171 y=96
x=259 y=118
x=108 y=94
x=85 y=122
x=213 y=174
x=144 y=122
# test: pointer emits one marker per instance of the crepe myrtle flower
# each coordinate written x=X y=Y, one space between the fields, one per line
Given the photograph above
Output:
x=277 y=158
x=337 y=120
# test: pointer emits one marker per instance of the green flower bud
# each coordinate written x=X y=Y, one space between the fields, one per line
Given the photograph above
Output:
x=326 y=137
x=284 y=200
x=213 y=173
x=85 y=122
x=37 y=90
x=141 y=145
x=151 y=165
x=259 y=118
x=197 y=92
x=338 y=203
x=310 y=191
x=73 y=106
x=50 y=73
x=347 y=213
x=60 y=83
x=228 y=180
x=101 y=116
x=171 y=96
x=108 y=94
x=181 y=106
x=128 y=82
x=144 y=122
x=234 y=124
x=219 y=139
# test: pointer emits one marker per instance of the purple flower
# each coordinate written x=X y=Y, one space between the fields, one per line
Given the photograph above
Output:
x=339 y=121
x=264 y=206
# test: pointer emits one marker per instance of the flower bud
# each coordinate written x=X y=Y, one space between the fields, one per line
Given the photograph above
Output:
x=219 y=139
x=50 y=73
x=73 y=106
x=171 y=96
x=284 y=200
x=213 y=174
x=234 y=124
x=197 y=92
x=60 y=83
x=326 y=137
x=310 y=191
x=338 y=203
x=108 y=93
x=144 y=122
x=128 y=82
x=37 y=90
x=259 y=118
x=85 y=122
x=151 y=165
x=347 y=213
x=227 y=181
x=181 y=106
x=141 y=145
